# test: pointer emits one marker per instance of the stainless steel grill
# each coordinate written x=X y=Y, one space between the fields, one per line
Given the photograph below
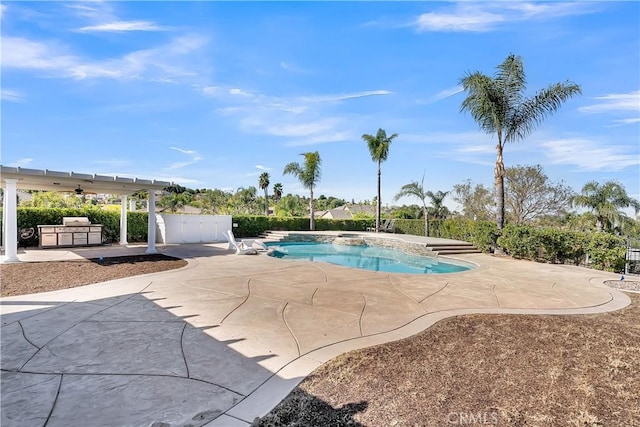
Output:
x=76 y=221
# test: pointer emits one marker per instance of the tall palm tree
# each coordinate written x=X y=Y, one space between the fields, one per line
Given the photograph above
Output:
x=416 y=189
x=263 y=183
x=379 y=149
x=308 y=175
x=605 y=201
x=498 y=104
x=437 y=199
x=277 y=191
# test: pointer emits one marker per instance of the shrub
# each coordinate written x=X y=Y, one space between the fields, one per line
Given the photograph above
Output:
x=137 y=226
x=519 y=241
x=251 y=226
x=607 y=252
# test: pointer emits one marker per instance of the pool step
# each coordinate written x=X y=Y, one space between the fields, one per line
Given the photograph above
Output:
x=453 y=248
x=273 y=236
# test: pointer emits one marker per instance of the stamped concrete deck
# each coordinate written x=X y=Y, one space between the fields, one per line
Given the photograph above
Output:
x=224 y=339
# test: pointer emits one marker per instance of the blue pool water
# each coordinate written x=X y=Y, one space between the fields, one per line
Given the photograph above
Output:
x=366 y=257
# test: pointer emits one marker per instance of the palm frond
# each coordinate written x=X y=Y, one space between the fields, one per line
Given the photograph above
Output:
x=484 y=101
x=532 y=111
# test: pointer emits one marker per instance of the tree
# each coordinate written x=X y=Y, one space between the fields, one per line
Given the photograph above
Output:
x=438 y=210
x=309 y=175
x=215 y=202
x=277 y=191
x=290 y=205
x=529 y=195
x=499 y=106
x=53 y=199
x=263 y=182
x=416 y=189
x=245 y=201
x=476 y=200
x=379 y=150
x=605 y=202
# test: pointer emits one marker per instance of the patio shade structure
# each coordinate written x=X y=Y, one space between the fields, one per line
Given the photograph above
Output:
x=14 y=178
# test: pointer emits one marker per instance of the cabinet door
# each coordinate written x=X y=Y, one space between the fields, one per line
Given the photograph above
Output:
x=79 y=238
x=65 y=239
x=95 y=238
x=49 y=239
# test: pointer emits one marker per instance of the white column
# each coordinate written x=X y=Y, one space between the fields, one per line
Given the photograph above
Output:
x=151 y=231
x=11 y=222
x=132 y=205
x=123 y=220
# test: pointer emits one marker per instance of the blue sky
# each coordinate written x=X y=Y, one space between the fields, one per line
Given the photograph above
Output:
x=211 y=94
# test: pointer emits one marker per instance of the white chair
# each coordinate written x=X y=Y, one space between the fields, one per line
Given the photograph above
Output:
x=240 y=247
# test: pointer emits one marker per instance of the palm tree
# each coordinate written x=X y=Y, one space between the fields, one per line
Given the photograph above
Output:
x=416 y=189
x=604 y=201
x=309 y=176
x=379 y=149
x=499 y=106
x=277 y=191
x=439 y=210
x=263 y=183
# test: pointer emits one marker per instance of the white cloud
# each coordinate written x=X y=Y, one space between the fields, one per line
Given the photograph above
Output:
x=323 y=138
x=161 y=64
x=263 y=168
x=96 y=11
x=3 y=9
x=12 y=96
x=487 y=16
x=465 y=21
x=300 y=120
x=239 y=92
x=19 y=52
x=446 y=93
x=627 y=121
x=590 y=155
x=293 y=68
x=181 y=150
x=345 y=96
x=614 y=102
x=194 y=157
x=20 y=163
x=122 y=26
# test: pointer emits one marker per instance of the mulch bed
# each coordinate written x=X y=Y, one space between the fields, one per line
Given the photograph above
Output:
x=625 y=285
x=33 y=277
x=490 y=370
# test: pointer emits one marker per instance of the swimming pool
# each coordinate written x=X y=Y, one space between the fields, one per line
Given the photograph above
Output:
x=362 y=256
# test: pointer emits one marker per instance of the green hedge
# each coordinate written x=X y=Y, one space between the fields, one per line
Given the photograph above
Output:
x=137 y=222
x=606 y=252
x=251 y=226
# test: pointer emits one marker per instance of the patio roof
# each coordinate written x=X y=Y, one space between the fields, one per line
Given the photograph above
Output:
x=38 y=179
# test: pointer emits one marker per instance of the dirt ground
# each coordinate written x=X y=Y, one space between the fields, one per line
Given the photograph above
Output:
x=489 y=370
x=33 y=277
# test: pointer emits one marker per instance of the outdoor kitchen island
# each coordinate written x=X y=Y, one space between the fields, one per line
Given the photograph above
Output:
x=74 y=231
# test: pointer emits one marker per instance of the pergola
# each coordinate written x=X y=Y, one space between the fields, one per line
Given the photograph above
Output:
x=13 y=178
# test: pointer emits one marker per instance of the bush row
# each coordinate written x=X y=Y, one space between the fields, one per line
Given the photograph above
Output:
x=605 y=251
x=251 y=226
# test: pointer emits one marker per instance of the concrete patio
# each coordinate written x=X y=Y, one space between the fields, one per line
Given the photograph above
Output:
x=223 y=340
